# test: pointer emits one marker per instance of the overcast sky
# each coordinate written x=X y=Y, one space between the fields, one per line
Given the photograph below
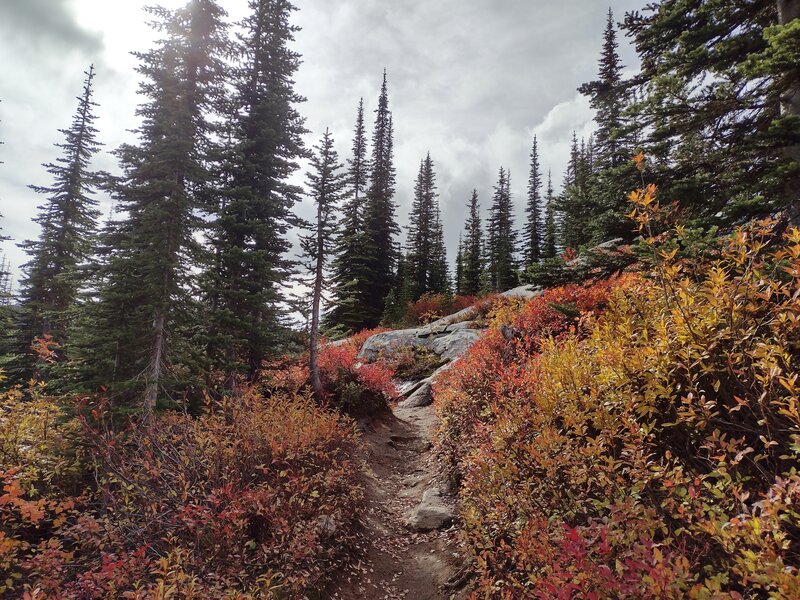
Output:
x=471 y=81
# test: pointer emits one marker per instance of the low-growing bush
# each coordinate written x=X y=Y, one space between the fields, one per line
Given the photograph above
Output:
x=431 y=307
x=415 y=363
x=354 y=387
x=254 y=498
x=495 y=368
x=646 y=451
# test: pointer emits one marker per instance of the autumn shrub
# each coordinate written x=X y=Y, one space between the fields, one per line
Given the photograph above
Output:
x=354 y=387
x=431 y=307
x=255 y=498
x=649 y=450
x=466 y=394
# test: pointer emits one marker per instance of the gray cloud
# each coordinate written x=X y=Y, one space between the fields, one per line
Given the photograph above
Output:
x=46 y=25
x=470 y=81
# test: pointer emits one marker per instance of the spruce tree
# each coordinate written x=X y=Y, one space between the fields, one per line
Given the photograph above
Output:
x=426 y=265
x=606 y=172
x=458 y=284
x=607 y=98
x=249 y=233
x=399 y=297
x=501 y=237
x=473 y=249
x=139 y=336
x=533 y=231
x=350 y=276
x=715 y=85
x=576 y=206
x=380 y=226
x=56 y=272
x=9 y=334
x=439 y=277
x=325 y=184
x=550 y=230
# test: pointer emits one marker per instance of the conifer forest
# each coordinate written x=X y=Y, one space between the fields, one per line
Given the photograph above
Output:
x=245 y=358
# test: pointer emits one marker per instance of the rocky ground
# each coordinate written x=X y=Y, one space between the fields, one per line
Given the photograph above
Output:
x=409 y=538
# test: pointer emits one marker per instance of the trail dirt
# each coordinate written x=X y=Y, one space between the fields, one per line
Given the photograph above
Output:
x=399 y=563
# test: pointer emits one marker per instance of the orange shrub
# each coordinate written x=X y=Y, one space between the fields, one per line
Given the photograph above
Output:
x=435 y=306
x=648 y=451
x=357 y=389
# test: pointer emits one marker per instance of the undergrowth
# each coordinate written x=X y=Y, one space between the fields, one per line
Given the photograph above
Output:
x=638 y=437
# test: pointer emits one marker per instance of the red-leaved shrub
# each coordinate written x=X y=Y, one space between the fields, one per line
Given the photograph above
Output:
x=254 y=498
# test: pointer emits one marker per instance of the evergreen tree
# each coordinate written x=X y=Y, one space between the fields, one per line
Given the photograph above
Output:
x=550 y=230
x=56 y=272
x=459 y=280
x=380 y=226
x=501 y=237
x=607 y=98
x=249 y=234
x=473 y=249
x=533 y=231
x=576 y=206
x=350 y=275
x=605 y=171
x=714 y=103
x=325 y=184
x=9 y=334
x=439 y=278
x=140 y=333
x=399 y=296
x=426 y=265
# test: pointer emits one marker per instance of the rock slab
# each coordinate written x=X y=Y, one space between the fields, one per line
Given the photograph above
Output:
x=422 y=396
x=431 y=513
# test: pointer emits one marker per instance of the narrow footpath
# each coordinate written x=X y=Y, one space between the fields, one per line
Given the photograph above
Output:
x=408 y=538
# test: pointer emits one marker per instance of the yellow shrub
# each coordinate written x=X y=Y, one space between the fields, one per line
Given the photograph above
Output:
x=653 y=452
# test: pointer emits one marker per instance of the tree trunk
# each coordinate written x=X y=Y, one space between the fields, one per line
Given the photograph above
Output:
x=316 y=382
x=154 y=369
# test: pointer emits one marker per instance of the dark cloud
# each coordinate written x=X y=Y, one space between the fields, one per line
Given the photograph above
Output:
x=47 y=25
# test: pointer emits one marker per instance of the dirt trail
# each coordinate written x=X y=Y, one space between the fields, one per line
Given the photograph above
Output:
x=401 y=564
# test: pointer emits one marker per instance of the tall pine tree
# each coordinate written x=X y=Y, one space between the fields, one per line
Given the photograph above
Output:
x=255 y=212
x=606 y=173
x=350 y=276
x=426 y=266
x=533 y=231
x=458 y=284
x=140 y=334
x=550 y=227
x=473 y=249
x=380 y=226
x=501 y=243
x=325 y=184
x=56 y=271
x=607 y=98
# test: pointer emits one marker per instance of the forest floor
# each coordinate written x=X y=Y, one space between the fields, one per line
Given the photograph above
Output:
x=400 y=563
